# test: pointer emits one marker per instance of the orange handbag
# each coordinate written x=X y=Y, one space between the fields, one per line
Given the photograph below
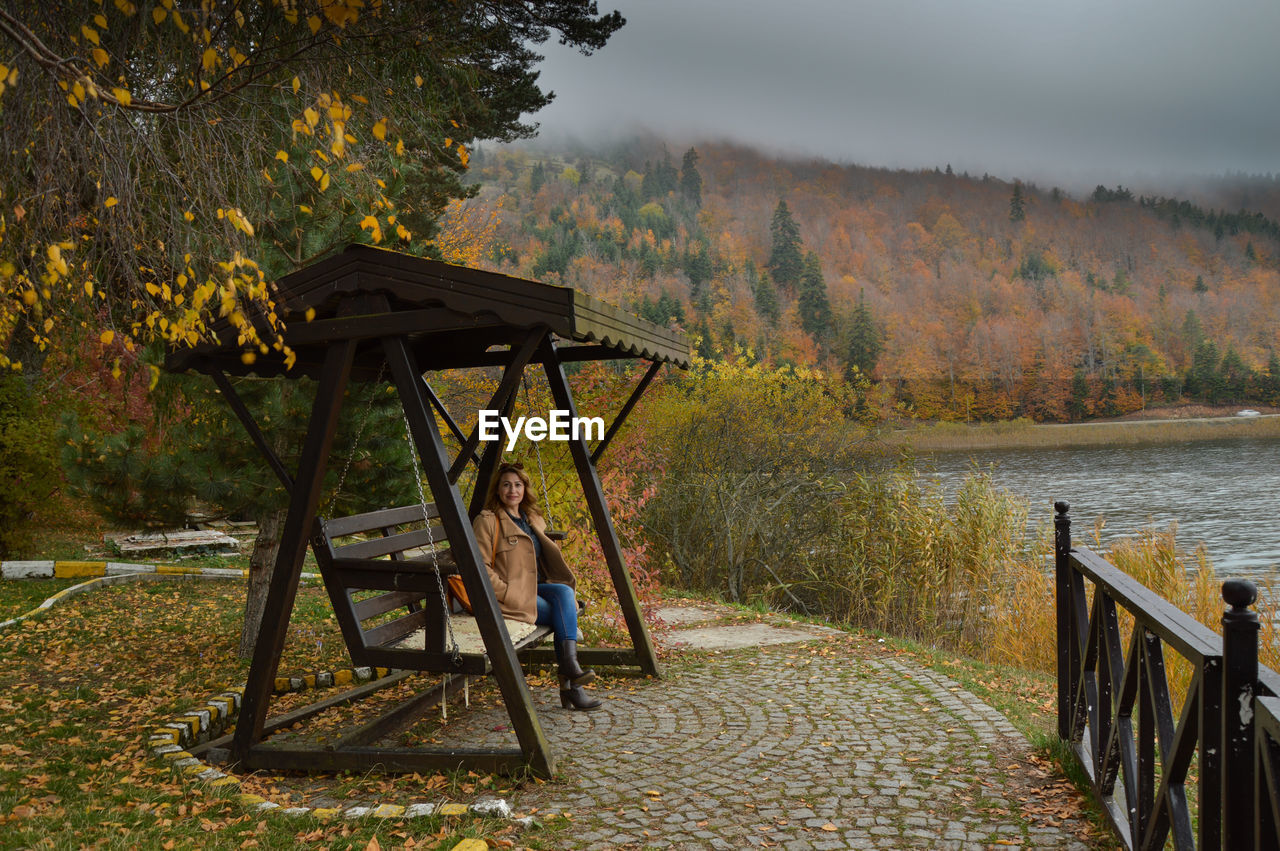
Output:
x=456 y=588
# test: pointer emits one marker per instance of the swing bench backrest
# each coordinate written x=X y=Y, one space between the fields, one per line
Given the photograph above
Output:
x=386 y=589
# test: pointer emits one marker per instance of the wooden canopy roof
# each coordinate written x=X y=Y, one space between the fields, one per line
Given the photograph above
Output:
x=452 y=316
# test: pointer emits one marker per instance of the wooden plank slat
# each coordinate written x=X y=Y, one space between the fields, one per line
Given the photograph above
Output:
x=288 y=719
x=371 y=521
x=402 y=716
x=383 y=603
x=395 y=630
x=388 y=576
x=378 y=547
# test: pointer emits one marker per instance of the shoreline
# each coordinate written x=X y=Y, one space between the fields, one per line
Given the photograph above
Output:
x=1023 y=434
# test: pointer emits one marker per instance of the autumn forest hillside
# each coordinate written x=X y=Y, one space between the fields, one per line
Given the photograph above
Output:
x=960 y=296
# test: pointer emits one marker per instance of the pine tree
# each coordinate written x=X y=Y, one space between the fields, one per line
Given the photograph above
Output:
x=815 y=309
x=786 y=263
x=1270 y=383
x=1200 y=286
x=765 y=295
x=206 y=461
x=1017 y=207
x=698 y=268
x=865 y=341
x=1077 y=405
x=690 y=179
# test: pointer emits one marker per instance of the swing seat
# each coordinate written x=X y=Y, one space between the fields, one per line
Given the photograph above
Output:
x=385 y=591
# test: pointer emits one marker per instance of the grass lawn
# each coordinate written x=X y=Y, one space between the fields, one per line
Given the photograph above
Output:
x=83 y=685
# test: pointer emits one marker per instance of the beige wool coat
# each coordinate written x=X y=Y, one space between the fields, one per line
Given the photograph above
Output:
x=513 y=568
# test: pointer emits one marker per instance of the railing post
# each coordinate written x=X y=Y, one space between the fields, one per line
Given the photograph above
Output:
x=1062 y=573
x=1239 y=684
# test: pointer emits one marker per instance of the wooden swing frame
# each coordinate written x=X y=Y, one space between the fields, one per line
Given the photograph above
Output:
x=376 y=310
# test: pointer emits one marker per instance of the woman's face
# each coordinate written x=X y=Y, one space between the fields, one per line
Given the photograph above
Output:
x=511 y=491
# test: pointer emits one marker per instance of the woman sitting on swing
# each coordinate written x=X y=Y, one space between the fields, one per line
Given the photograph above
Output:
x=529 y=576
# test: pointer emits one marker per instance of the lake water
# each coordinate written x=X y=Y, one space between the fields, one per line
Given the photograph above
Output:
x=1225 y=494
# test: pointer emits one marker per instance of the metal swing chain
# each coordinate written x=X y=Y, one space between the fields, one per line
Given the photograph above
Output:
x=455 y=654
x=355 y=444
x=537 y=453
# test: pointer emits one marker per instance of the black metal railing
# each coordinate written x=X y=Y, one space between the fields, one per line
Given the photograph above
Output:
x=1143 y=749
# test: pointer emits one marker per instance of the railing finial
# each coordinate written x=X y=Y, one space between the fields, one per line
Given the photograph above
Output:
x=1240 y=594
x=1061 y=507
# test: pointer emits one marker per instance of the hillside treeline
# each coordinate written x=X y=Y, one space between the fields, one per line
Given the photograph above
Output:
x=961 y=296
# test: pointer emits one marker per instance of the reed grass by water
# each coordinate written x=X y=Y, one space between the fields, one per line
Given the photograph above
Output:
x=1023 y=433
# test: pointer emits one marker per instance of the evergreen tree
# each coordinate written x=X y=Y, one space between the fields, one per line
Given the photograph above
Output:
x=815 y=309
x=765 y=294
x=698 y=267
x=786 y=262
x=1269 y=383
x=1236 y=376
x=706 y=348
x=690 y=179
x=1200 y=286
x=1204 y=379
x=1192 y=334
x=1017 y=207
x=206 y=461
x=1077 y=405
x=537 y=177
x=865 y=341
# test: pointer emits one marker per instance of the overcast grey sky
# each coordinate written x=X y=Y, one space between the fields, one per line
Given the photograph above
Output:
x=1019 y=88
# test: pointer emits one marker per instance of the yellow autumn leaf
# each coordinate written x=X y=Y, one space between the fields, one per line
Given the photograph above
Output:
x=100 y=20
x=248 y=357
x=100 y=56
x=316 y=172
x=89 y=33
x=77 y=90
x=324 y=182
x=417 y=80
x=115 y=369
x=311 y=116
x=158 y=15
x=303 y=208
x=368 y=222
x=155 y=376
x=106 y=337
x=297 y=84
x=283 y=156
x=314 y=22
x=208 y=59
x=188 y=215
x=111 y=202
x=123 y=96
x=380 y=129
x=355 y=167
x=448 y=143
x=399 y=147
x=310 y=314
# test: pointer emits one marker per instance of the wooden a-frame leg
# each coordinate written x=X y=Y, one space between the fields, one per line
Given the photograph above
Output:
x=303 y=502
x=601 y=517
x=431 y=451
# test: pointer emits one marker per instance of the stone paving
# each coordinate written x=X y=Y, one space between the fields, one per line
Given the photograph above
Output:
x=831 y=743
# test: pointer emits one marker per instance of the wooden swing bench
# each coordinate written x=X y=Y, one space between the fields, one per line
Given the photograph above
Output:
x=363 y=314
x=373 y=566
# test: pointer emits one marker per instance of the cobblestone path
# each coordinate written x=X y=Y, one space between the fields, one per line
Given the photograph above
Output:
x=833 y=743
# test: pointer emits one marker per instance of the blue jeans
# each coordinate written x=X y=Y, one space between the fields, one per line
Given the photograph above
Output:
x=558 y=609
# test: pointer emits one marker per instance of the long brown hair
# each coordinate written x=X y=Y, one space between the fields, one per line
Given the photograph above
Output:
x=529 y=505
